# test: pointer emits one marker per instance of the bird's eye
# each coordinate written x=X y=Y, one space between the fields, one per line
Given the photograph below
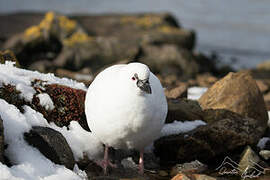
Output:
x=133 y=78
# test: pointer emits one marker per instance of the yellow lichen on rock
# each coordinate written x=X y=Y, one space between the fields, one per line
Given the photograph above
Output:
x=148 y=21
x=51 y=23
x=67 y=24
x=36 y=31
x=144 y=21
x=77 y=38
x=47 y=21
x=32 y=32
x=168 y=29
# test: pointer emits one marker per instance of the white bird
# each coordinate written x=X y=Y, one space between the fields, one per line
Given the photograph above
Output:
x=126 y=107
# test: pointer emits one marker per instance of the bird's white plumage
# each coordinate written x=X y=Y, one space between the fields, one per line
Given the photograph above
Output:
x=119 y=113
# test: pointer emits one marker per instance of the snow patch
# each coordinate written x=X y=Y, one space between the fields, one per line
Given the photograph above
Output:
x=22 y=79
x=28 y=162
x=195 y=93
x=45 y=101
x=178 y=127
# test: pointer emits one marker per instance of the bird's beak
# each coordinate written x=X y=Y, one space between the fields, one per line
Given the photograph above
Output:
x=144 y=85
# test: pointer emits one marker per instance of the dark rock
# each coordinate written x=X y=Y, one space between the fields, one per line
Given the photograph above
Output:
x=51 y=144
x=183 y=109
x=1 y=141
x=237 y=92
x=212 y=115
x=227 y=133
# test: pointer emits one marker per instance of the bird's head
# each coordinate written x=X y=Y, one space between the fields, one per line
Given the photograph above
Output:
x=138 y=75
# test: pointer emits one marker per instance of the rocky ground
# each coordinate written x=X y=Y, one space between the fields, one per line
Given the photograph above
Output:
x=234 y=108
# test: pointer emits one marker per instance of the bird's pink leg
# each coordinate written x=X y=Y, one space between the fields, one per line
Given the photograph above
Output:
x=106 y=159
x=106 y=162
x=141 y=163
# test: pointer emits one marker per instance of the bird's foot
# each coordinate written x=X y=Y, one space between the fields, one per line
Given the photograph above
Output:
x=105 y=164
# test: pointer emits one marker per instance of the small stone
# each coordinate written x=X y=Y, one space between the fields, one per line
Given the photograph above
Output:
x=265 y=154
x=191 y=167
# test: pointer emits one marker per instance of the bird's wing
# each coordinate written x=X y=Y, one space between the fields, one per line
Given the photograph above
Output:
x=98 y=93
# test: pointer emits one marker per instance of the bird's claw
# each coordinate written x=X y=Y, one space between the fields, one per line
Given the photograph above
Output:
x=105 y=164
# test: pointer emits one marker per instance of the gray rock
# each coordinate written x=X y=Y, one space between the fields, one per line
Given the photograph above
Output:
x=51 y=144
